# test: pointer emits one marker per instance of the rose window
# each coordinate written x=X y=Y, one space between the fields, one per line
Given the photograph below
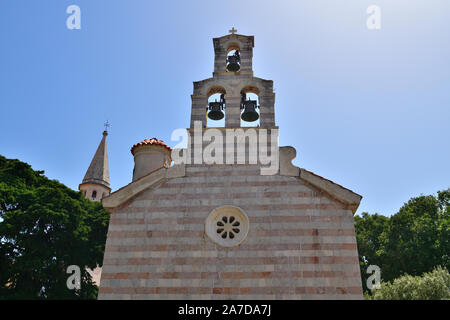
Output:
x=227 y=226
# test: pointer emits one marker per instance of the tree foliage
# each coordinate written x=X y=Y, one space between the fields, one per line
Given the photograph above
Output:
x=368 y=229
x=433 y=285
x=46 y=227
x=414 y=240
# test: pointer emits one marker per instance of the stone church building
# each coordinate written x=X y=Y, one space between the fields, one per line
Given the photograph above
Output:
x=226 y=228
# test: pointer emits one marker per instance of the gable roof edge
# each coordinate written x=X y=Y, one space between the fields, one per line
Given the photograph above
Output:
x=118 y=197
x=347 y=196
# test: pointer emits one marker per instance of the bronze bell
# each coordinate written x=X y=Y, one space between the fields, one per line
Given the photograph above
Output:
x=216 y=110
x=249 y=113
x=234 y=62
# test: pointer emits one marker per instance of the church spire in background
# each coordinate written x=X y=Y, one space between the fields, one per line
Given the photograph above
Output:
x=95 y=184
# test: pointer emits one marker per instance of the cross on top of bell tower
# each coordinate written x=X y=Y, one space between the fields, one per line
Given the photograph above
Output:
x=232 y=31
x=107 y=125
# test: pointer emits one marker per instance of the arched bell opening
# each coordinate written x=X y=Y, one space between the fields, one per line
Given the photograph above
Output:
x=250 y=111
x=233 y=59
x=216 y=108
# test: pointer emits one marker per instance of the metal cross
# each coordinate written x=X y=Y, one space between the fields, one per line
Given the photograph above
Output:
x=232 y=31
x=107 y=125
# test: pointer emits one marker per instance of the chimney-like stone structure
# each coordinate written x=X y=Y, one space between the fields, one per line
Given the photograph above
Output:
x=150 y=155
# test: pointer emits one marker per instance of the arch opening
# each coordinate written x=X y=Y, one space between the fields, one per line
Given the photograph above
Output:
x=216 y=114
x=233 y=62
x=250 y=110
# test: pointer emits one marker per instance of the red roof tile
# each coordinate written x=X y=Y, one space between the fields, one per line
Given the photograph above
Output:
x=150 y=141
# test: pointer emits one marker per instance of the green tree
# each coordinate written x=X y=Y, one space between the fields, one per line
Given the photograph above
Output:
x=417 y=238
x=44 y=228
x=414 y=240
x=368 y=229
x=433 y=285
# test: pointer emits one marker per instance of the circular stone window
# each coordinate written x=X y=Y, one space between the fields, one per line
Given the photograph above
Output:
x=227 y=226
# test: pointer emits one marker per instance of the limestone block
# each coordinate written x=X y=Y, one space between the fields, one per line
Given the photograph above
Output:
x=287 y=154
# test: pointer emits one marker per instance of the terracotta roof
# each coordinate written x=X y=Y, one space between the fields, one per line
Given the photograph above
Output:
x=150 y=141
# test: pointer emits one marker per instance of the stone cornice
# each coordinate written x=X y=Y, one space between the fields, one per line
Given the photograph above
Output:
x=287 y=154
x=189 y=130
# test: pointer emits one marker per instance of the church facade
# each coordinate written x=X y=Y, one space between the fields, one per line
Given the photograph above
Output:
x=221 y=224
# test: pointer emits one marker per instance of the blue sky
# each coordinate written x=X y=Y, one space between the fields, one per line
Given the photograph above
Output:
x=368 y=109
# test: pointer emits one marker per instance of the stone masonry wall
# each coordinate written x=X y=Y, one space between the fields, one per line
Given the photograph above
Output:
x=301 y=243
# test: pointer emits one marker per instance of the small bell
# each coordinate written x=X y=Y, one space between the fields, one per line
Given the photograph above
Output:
x=234 y=62
x=216 y=110
x=249 y=113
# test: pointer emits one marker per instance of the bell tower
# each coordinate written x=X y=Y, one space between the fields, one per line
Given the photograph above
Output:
x=240 y=60
x=233 y=79
x=243 y=101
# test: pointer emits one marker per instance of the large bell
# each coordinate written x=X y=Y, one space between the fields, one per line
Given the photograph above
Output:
x=215 y=110
x=234 y=62
x=249 y=113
